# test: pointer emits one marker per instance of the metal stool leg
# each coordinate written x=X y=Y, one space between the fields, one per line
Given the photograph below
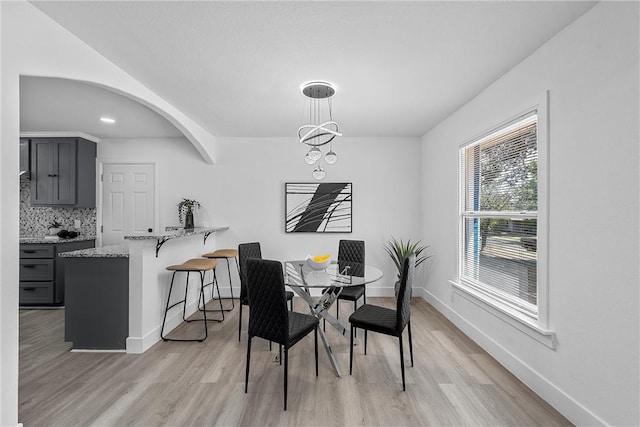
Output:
x=222 y=310
x=213 y=283
x=166 y=308
x=206 y=329
x=233 y=303
x=201 y=297
x=184 y=302
x=184 y=307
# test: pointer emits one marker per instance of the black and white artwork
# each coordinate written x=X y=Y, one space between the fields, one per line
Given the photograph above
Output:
x=318 y=208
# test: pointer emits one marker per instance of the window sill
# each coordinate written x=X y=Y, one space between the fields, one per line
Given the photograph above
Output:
x=508 y=315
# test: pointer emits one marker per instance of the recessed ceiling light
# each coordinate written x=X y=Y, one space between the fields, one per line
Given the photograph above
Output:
x=107 y=120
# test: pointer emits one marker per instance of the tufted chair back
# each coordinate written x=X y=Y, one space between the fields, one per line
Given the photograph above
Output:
x=403 y=309
x=351 y=251
x=246 y=251
x=268 y=313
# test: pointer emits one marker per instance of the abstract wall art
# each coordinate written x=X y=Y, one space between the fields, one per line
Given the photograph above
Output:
x=318 y=208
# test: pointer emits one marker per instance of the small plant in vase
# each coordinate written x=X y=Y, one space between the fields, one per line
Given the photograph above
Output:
x=399 y=251
x=185 y=212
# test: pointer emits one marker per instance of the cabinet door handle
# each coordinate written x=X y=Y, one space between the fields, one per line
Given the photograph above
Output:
x=28 y=265
x=53 y=175
x=28 y=289
x=29 y=251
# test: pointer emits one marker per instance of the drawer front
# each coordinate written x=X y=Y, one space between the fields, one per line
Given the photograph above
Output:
x=36 y=251
x=36 y=269
x=36 y=293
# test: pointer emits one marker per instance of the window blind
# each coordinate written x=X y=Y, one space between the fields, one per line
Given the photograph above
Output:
x=498 y=207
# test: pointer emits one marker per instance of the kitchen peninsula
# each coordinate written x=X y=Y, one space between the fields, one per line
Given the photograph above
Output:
x=97 y=304
x=138 y=295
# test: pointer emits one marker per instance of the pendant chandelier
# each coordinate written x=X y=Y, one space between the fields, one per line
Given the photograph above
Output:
x=320 y=131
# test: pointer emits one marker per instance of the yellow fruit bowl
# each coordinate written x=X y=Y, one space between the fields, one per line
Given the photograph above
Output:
x=319 y=262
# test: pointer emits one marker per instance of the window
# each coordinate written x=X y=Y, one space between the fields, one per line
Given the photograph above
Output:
x=498 y=248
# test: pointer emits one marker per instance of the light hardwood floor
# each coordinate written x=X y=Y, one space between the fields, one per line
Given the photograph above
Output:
x=454 y=382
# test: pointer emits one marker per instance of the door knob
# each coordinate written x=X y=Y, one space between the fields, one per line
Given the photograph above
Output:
x=150 y=230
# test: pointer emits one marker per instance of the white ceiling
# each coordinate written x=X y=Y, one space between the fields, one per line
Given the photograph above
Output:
x=235 y=67
x=59 y=105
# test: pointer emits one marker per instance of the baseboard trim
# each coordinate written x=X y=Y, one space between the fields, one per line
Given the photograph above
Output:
x=138 y=345
x=552 y=394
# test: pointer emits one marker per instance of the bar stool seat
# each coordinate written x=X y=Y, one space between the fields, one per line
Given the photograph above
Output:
x=226 y=254
x=194 y=265
x=222 y=253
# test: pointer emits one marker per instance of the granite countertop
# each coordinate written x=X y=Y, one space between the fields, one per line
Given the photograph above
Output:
x=173 y=233
x=112 y=251
x=42 y=239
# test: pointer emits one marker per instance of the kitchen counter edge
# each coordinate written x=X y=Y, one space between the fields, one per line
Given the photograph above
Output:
x=112 y=251
x=39 y=240
x=174 y=233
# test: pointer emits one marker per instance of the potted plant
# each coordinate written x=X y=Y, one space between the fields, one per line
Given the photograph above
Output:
x=185 y=212
x=54 y=228
x=400 y=250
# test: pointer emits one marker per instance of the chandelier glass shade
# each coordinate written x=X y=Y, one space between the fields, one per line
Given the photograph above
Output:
x=321 y=129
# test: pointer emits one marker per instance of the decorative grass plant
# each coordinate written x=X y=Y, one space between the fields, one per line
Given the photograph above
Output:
x=400 y=250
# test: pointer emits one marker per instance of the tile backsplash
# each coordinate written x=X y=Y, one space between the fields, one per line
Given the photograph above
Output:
x=35 y=220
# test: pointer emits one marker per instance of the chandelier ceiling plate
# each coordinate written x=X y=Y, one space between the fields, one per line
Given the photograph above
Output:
x=318 y=89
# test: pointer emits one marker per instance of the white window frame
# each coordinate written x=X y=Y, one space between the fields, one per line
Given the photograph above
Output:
x=537 y=328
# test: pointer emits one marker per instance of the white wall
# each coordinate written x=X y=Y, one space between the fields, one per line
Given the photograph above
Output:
x=245 y=190
x=591 y=70
x=9 y=202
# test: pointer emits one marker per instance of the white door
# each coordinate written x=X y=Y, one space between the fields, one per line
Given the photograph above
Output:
x=128 y=193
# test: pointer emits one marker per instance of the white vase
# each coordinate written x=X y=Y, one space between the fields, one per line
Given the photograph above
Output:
x=53 y=231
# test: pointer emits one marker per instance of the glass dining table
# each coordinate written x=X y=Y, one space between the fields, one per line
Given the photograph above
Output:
x=302 y=279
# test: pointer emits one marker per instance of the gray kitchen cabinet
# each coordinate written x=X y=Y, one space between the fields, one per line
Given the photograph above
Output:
x=63 y=172
x=97 y=303
x=42 y=276
x=25 y=159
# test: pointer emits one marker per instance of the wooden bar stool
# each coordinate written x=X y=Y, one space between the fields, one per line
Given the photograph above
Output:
x=195 y=265
x=226 y=254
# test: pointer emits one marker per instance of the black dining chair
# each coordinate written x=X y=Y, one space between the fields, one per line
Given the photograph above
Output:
x=246 y=251
x=268 y=314
x=351 y=251
x=385 y=320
